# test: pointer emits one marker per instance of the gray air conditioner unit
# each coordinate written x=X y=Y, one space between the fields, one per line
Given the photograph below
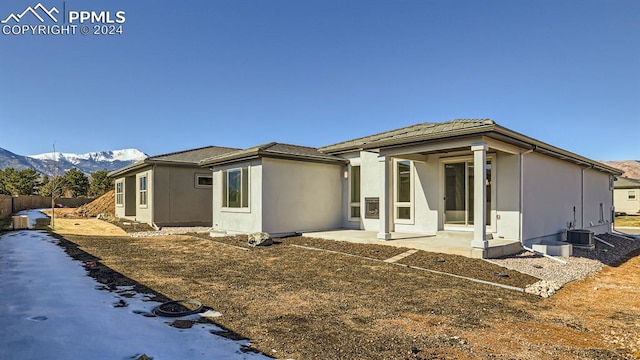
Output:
x=581 y=238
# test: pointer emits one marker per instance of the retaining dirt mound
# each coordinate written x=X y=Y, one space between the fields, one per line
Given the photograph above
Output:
x=105 y=204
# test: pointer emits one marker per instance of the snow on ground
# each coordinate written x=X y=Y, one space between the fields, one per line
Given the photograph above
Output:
x=33 y=215
x=50 y=309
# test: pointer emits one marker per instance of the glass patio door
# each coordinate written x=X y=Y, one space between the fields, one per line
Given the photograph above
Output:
x=459 y=192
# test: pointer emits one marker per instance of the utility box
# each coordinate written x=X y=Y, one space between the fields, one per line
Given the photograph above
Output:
x=20 y=222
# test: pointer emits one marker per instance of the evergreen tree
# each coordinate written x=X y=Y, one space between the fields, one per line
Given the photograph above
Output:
x=100 y=183
x=23 y=182
x=3 y=187
x=77 y=182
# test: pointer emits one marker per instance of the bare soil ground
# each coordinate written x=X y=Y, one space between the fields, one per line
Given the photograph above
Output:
x=299 y=303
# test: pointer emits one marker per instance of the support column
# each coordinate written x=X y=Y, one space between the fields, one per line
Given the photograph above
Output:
x=479 y=197
x=386 y=206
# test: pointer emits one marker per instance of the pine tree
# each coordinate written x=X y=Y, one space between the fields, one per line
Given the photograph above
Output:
x=77 y=182
x=100 y=183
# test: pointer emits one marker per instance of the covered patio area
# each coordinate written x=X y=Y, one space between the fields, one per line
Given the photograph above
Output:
x=447 y=242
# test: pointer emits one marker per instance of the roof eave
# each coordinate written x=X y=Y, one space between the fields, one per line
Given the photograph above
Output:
x=520 y=140
x=150 y=162
x=269 y=154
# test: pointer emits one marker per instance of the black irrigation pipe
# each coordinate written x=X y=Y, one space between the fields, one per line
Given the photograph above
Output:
x=158 y=310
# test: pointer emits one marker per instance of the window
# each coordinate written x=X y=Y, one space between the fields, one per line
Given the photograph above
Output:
x=235 y=188
x=354 y=190
x=143 y=190
x=632 y=195
x=119 y=193
x=403 y=190
x=204 y=180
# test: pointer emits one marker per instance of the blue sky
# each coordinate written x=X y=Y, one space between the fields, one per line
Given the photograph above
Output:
x=243 y=72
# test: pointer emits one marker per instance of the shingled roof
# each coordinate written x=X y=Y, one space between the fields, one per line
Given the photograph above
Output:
x=410 y=132
x=274 y=150
x=427 y=132
x=189 y=157
x=626 y=183
x=194 y=155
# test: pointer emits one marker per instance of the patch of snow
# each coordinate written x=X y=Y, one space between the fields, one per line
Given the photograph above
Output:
x=50 y=308
x=33 y=215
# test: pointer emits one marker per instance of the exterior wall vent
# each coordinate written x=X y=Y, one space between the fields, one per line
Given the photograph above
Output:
x=371 y=208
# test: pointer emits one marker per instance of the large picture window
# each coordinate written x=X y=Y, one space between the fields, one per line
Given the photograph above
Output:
x=143 y=190
x=119 y=193
x=354 y=190
x=403 y=190
x=235 y=188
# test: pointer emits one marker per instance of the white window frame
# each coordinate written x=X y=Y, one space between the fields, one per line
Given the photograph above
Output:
x=120 y=193
x=631 y=195
x=353 y=204
x=397 y=204
x=200 y=176
x=143 y=193
x=225 y=191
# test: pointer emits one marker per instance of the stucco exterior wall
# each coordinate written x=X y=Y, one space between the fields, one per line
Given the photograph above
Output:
x=178 y=201
x=506 y=206
x=245 y=220
x=598 y=202
x=300 y=196
x=426 y=193
x=129 y=206
x=144 y=213
x=130 y=196
x=370 y=186
x=552 y=188
x=624 y=204
x=424 y=175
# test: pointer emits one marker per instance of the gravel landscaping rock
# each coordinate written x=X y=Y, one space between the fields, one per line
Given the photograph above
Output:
x=582 y=264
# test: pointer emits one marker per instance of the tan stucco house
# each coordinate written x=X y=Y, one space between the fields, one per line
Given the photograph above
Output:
x=167 y=190
x=461 y=175
x=627 y=195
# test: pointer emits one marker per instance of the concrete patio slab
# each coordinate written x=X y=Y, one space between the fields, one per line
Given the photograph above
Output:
x=447 y=242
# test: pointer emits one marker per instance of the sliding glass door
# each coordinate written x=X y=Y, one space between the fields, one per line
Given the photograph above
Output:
x=459 y=191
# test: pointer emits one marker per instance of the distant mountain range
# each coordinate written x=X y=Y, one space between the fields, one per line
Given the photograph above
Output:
x=631 y=168
x=87 y=163
x=116 y=159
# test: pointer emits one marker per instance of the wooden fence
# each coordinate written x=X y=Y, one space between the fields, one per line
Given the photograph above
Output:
x=12 y=204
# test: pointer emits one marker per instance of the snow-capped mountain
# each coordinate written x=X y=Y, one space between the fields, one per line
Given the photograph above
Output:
x=90 y=162
x=106 y=156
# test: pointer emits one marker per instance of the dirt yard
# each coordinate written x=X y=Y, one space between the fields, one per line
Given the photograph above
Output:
x=299 y=303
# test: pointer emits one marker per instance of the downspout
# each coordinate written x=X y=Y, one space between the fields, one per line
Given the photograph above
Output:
x=522 y=188
x=582 y=197
x=612 y=223
x=153 y=200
